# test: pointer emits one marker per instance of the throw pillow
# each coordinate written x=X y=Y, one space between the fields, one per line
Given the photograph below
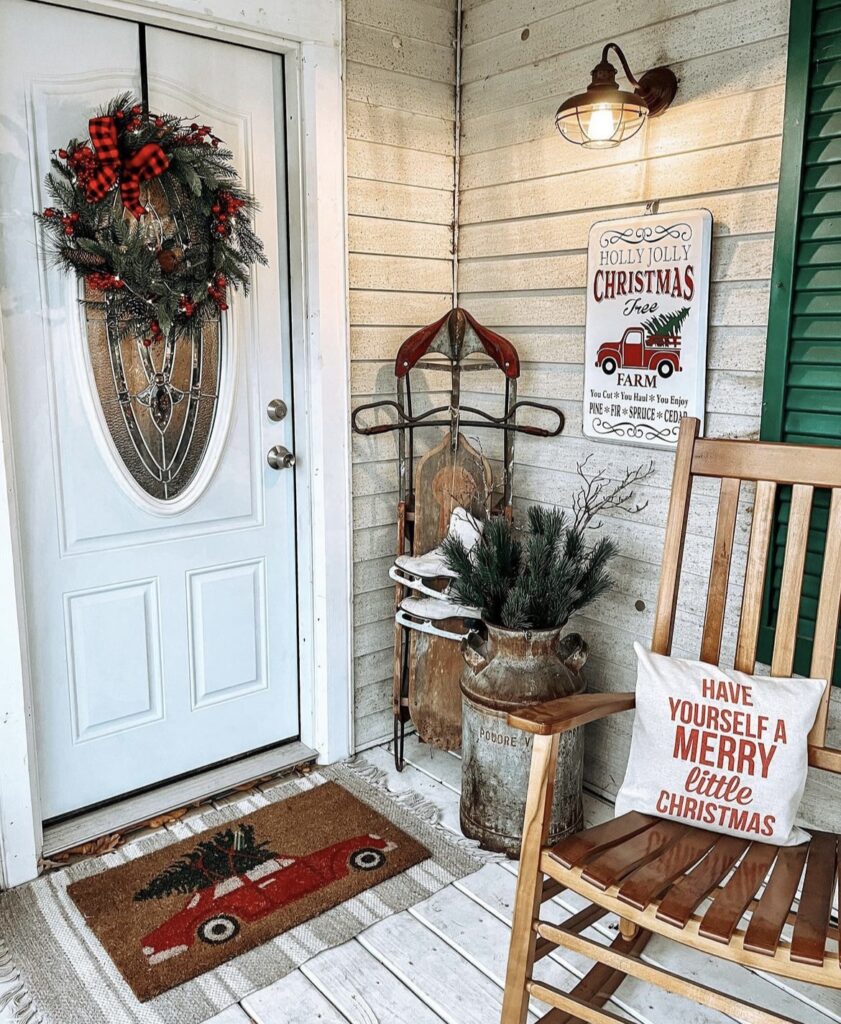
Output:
x=721 y=750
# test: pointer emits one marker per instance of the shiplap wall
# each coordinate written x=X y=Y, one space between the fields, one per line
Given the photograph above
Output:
x=527 y=201
x=401 y=88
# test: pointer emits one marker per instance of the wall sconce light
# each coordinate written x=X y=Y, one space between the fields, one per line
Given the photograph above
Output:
x=605 y=115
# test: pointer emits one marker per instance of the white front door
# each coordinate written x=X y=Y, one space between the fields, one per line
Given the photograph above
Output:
x=161 y=621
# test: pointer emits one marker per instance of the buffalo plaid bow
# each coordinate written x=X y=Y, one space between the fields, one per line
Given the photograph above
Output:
x=148 y=162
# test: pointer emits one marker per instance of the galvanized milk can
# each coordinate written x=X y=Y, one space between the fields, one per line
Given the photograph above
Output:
x=512 y=669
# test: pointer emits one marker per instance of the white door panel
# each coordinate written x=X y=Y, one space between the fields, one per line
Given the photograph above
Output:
x=162 y=634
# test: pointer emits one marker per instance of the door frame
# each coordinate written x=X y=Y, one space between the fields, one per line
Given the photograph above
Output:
x=309 y=34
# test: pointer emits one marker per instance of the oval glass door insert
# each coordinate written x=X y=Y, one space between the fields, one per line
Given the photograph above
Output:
x=158 y=399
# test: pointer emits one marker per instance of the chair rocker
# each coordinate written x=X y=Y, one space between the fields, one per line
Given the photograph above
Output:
x=765 y=907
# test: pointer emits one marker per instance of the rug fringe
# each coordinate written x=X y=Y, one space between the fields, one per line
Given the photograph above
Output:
x=17 y=996
x=421 y=807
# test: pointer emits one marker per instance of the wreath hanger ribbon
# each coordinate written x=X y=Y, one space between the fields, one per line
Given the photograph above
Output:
x=147 y=162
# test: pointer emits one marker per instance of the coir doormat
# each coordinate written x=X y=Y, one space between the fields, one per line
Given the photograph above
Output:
x=190 y=923
x=174 y=914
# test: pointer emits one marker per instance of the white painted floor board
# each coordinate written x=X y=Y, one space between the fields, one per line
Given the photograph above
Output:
x=454 y=987
x=292 y=1000
x=233 y=1015
x=364 y=990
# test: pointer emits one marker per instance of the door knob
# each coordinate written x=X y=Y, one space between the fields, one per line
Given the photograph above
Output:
x=280 y=457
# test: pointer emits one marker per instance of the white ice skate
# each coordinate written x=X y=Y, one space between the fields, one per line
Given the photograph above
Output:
x=410 y=571
x=422 y=614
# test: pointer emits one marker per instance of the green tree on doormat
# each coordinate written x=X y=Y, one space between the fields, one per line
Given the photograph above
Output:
x=666 y=323
x=230 y=852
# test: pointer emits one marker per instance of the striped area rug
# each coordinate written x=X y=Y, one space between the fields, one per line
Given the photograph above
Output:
x=54 y=969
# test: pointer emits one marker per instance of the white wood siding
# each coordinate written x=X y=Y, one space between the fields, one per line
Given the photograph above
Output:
x=401 y=92
x=527 y=201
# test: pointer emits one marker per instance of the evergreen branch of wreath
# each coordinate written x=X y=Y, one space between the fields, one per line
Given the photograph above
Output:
x=158 y=276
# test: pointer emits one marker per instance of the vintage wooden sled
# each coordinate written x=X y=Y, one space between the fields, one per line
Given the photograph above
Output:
x=453 y=475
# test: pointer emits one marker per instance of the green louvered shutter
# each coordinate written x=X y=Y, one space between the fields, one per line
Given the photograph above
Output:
x=802 y=397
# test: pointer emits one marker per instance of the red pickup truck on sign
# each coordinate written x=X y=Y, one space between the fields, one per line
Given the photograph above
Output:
x=640 y=351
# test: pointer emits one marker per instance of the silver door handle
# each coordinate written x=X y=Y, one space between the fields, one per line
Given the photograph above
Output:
x=280 y=457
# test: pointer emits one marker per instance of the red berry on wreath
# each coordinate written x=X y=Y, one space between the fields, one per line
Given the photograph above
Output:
x=147 y=342
x=62 y=154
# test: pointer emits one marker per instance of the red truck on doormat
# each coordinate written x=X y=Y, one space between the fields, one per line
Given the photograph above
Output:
x=215 y=914
x=654 y=345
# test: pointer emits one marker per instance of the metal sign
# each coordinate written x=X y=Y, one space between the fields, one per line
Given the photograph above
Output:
x=645 y=347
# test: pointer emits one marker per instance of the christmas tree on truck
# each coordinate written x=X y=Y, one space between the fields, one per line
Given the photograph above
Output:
x=668 y=325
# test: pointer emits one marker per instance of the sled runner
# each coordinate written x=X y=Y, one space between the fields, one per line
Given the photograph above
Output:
x=450 y=489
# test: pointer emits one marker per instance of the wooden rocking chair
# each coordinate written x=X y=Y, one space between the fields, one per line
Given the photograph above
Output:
x=699 y=888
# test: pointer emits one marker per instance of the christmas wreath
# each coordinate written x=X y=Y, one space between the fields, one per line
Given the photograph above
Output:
x=160 y=267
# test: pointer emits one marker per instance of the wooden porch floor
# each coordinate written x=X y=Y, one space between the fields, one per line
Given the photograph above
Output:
x=443 y=961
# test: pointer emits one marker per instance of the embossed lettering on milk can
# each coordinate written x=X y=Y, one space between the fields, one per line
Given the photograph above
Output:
x=513 y=669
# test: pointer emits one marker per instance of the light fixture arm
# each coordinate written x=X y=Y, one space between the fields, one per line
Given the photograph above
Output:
x=622 y=60
x=656 y=87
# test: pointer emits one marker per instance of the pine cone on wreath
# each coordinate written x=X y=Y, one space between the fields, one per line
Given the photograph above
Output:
x=83 y=260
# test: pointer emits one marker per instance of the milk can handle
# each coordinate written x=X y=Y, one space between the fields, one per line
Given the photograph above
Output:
x=572 y=651
x=474 y=651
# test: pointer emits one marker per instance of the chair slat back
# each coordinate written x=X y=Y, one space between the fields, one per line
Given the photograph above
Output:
x=760 y=541
x=725 y=531
x=664 y=615
x=826 y=623
x=797 y=537
x=768 y=465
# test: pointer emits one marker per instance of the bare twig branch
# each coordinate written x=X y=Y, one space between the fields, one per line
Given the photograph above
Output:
x=599 y=494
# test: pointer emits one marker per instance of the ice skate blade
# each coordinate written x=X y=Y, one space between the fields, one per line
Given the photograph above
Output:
x=438 y=609
x=405 y=620
x=411 y=582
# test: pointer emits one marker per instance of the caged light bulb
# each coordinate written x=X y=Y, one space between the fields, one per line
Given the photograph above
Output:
x=602 y=124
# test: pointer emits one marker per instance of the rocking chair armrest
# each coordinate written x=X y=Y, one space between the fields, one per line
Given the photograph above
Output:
x=564 y=713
